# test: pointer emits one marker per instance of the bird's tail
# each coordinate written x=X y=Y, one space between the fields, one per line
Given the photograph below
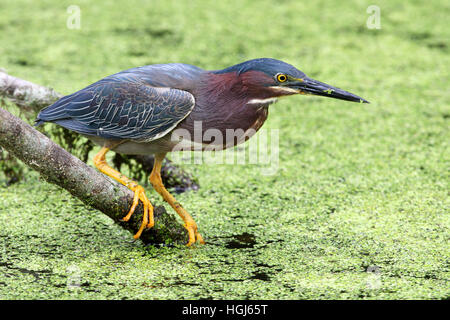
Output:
x=38 y=122
x=52 y=112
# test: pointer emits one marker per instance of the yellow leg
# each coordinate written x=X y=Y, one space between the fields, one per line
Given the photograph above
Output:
x=189 y=223
x=139 y=192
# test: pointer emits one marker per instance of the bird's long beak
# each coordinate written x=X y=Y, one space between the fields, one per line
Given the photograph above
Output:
x=310 y=86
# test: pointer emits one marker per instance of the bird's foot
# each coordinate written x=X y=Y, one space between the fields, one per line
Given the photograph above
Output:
x=147 y=220
x=189 y=223
x=139 y=192
x=194 y=235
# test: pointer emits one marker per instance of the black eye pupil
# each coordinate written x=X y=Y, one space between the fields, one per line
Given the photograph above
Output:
x=282 y=78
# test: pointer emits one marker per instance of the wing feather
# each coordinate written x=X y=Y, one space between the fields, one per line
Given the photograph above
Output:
x=126 y=109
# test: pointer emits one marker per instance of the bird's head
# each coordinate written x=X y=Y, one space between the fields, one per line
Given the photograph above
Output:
x=271 y=78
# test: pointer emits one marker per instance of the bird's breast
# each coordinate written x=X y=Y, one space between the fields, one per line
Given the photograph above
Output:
x=213 y=128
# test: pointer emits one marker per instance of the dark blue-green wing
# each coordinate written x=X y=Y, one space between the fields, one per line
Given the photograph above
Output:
x=121 y=109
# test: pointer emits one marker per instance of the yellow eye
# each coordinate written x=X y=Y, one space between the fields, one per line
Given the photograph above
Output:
x=281 y=77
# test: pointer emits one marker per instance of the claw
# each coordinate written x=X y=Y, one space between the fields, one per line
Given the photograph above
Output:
x=194 y=235
x=147 y=219
x=139 y=192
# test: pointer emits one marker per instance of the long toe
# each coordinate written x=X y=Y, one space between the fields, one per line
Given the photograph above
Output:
x=194 y=235
x=147 y=219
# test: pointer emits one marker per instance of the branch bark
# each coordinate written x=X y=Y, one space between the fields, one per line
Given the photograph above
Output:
x=29 y=96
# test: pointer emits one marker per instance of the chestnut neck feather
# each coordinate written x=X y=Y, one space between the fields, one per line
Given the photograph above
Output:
x=221 y=101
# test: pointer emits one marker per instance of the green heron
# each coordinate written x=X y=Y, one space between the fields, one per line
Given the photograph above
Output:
x=136 y=111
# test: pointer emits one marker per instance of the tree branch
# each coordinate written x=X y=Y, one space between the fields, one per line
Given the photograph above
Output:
x=26 y=95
